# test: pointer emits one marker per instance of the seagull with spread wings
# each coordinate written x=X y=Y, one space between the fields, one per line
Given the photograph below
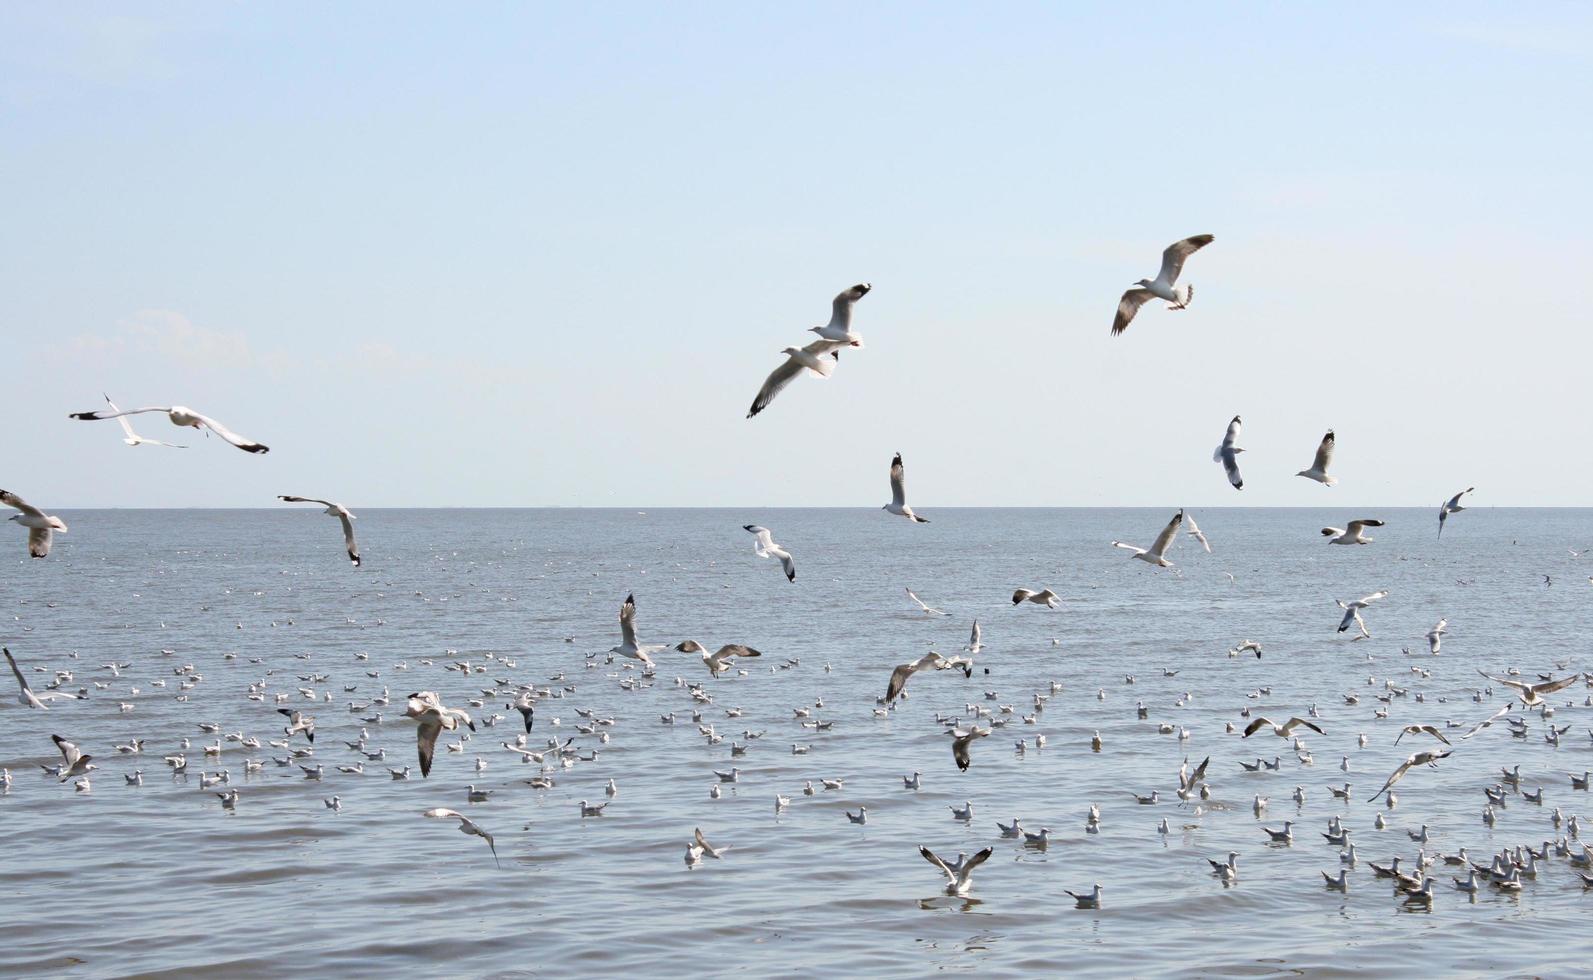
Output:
x=1157 y=553
x=1163 y=287
x=1352 y=611
x=898 y=504
x=926 y=607
x=819 y=358
x=1531 y=695
x=41 y=526
x=840 y=326
x=27 y=698
x=628 y=646
x=341 y=513
x=433 y=718
x=764 y=547
x=902 y=672
x=133 y=438
x=1319 y=466
x=179 y=415
x=466 y=826
x=1426 y=757
x=1353 y=534
x=1450 y=506
x=1228 y=454
x=960 y=878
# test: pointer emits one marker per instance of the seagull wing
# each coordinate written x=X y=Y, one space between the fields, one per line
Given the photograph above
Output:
x=1551 y=686
x=915 y=598
x=966 y=871
x=1174 y=255
x=247 y=445
x=898 y=680
x=898 y=482
x=1256 y=725
x=627 y=618
x=1195 y=531
x=973 y=638
x=934 y=859
x=1165 y=539
x=774 y=384
x=764 y=539
x=1479 y=726
x=348 y=536
x=305 y=500
x=69 y=751
x=1129 y=305
x=1324 y=453
x=39 y=541
x=116 y=413
x=426 y=740
x=12 y=500
x=22 y=682
x=1398 y=774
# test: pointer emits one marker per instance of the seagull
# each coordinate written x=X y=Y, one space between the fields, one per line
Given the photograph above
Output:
x=1228 y=454
x=974 y=645
x=132 y=438
x=960 y=878
x=427 y=709
x=1421 y=730
x=902 y=672
x=341 y=513
x=707 y=848
x=77 y=763
x=1282 y=731
x=1158 y=551
x=1195 y=533
x=628 y=646
x=1248 y=645
x=297 y=722
x=1044 y=597
x=1531 y=694
x=1352 y=610
x=1435 y=636
x=466 y=826
x=898 y=504
x=719 y=661
x=26 y=697
x=1324 y=456
x=1092 y=900
x=928 y=609
x=181 y=416
x=1450 y=506
x=764 y=547
x=1353 y=534
x=959 y=744
x=840 y=326
x=1163 y=285
x=1426 y=757
x=39 y=524
x=819 y=357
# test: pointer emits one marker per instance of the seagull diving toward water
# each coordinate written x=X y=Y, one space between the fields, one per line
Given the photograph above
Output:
x=427 y=709
x=1228 y=454
x=466 y=826
x=181 y=416
x=1532 y=694
x=341 y=513
x=928 y=609
x=719 y=661
x=39 y=524
x=764 y=547
x=1158 y=551
x=819 y=357
x=898 y=504
x=840 y=326
x=960 y=878
x=899 y=676
x=1426 y=757
x=1352 y=611
x=1450 y=506
x=132 y=438
x=27 y=698
x=1319 y=466
x=1162 y=287
x=628 y=646
x=1352 y=534
x=1195 y=532
x=1045 y=597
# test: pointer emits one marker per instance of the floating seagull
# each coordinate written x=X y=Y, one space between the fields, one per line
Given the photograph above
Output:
x=1352 y=534
x=898 y=504
x=902 y=672
x=1451 y=506
x=1352 y=610
x=840 y=326
x=1282 y=731
x=466 y=826
x=928 y=609
x=1162 y=287
x=1093 y=899
x=959 y=744
x=1158 y=551
x=1195 y=532
x=764 y=547
x=819 y=357
x=132 y=438
x=1044 y=597
x=961 y=877
x=341 y=513
x=1531 y=694
x=1426 y=757
x=1435 y=636
x=181 y=416
x=719 y=661
x=427 y=709
x=1228 y=454
x=39 y=524
x=628 y=646
x=26 y=697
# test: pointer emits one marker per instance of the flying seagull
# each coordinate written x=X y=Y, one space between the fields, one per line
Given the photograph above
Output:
x=818 y=357
x=840 y=326
x=27 y=698
x=899 y=676
x=1319 y=466
x=341 y=513
x=427 y=709
x=960 y=741
x=1532 y=694
x=1435 y=636
x=628 y=646
x=1426 y=757
x=1282 y=731
x=77 y=763
x=1157 y=555
x=974 y=644
x=1421 y=730
x=1162 y=287
x=181 y=416
x=1352 y=534
x=39 y=524
x=928 y=609
x=466 y=826
x=1195 y=532
x=1045 y=597
x=1352 y=611
x=961 y=877
x=719 y=661
x=1450 y=506
x=898 y=504
x=1228 y=454
x=764 y=547
x=132 y=438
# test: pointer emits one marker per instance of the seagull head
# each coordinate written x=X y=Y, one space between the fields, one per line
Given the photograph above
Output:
x=1143 y=282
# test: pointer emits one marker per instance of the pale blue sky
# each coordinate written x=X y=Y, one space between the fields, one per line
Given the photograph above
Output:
x=505 y=254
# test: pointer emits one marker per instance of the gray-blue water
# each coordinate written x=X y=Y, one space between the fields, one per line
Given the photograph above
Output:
x=161 y=879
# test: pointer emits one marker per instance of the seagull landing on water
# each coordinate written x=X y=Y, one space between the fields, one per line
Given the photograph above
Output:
x=1228 y=454
x=342 y=514
x=928 y=609
x=1157 y=554
x=1319 y=466
x=819 y=357
x=1045 y=597
x=1352 y=534
x=132 y=438
x=898 y=504
x=1163 y=286
x=1450 y=506
x=960 y=877
x=39 y=524
x=179 y=415
x=840 y=326
x=764 y=547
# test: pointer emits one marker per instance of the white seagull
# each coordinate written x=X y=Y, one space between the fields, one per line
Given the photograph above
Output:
x=1157 y=553
x=1352 y=611
x=341 y=513
x=180 y=415
x=1319 y=466
x=928 y=609
x=1195 y=532
x=628 y=646
x=899 y=676
x=27 y=698
x=1450 y=506
x=466 y=826
x=1531 y=694
x=77 y=763
x=132 y=438
x=1352 y=534
x=719 y=661
x=1426 y=757
x=960 y=879
x=974 y=643
x=1282 y=731
x=898 y=504
x=428 y=710
x=1228 y=454
x=1045 y=597
x=1163 y=286
x=1435 y=636
x=39 y=524
x=764 y=547
x=819 y=357
x=840 y=326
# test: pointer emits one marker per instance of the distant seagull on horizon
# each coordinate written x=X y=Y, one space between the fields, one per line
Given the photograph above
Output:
x=1157 y=553
x=840 y=326
x=819 y=357
x=1352 y=534
x=39 y=524
x=1228 y=454
x=1451 y=506
x=1163 y=286
x=764 y=547
x=132 y=438
x=1319 y=466
x=342 y=514
x=179 y=415
x=898 y=504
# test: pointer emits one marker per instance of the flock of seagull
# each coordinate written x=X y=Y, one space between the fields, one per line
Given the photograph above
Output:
x=455 y=726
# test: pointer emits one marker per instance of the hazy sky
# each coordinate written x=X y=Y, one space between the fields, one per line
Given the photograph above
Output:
x=506 y=254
